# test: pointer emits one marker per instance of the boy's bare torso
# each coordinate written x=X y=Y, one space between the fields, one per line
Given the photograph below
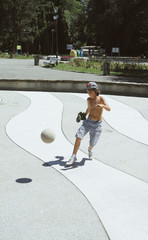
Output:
x=95 y=111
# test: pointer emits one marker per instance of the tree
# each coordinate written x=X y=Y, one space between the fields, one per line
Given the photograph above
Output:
x=107 y=23
x=18 y=19
x=118 y=23
x=75 y=15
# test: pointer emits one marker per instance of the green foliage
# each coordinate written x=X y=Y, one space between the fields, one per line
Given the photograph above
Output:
x=17 y=21
x=16 y=56
x=81 y=68
x=91 y=65
x=119 y=23
x=127 y=69
x=106 y=23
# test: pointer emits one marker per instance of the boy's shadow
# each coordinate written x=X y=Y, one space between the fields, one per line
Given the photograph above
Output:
x=60 y=162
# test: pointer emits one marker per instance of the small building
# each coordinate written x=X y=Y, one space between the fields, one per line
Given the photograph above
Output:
x=92 y=51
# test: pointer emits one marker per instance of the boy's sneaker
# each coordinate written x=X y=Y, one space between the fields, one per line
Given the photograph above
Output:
x=90 y=154
x=71 y=161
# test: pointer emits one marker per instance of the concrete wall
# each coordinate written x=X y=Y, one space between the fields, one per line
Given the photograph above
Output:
x=110 y=87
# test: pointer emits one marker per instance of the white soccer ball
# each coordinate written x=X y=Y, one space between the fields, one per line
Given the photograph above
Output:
x=47 y=135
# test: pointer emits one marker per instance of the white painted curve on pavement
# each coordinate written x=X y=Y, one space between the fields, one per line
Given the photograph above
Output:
x=119 y=199
x=125 y=120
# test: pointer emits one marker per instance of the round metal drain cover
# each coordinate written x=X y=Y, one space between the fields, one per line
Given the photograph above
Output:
x=23 y=180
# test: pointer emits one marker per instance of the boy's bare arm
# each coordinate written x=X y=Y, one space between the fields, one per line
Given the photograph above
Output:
x=104 y=104
x=88 y=108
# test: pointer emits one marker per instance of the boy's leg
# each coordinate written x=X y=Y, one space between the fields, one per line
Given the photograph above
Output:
x=90 y=152
x=75 y=150
x=77 y=145
x=82 y=131
x=94 y=137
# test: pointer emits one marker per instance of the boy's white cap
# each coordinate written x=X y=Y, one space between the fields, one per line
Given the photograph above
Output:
x=91 y=85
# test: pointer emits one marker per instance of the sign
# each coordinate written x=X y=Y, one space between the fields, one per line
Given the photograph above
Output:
x=69 y=46
x=19 y=47
x=115 y=50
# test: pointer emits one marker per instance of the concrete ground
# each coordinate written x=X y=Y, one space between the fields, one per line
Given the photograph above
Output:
x=24 y=69
x=102 y=199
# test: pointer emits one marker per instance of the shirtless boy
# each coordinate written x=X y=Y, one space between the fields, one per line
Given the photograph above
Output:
x=93 y=124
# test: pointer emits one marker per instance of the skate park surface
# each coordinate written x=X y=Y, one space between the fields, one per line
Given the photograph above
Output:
x=102 y=199
x=105 y=198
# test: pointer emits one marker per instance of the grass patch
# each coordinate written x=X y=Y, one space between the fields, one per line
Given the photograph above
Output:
x=116 y=69
x=23 y=57
x=4 y=55
x=16 y=56
x=80 y=69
